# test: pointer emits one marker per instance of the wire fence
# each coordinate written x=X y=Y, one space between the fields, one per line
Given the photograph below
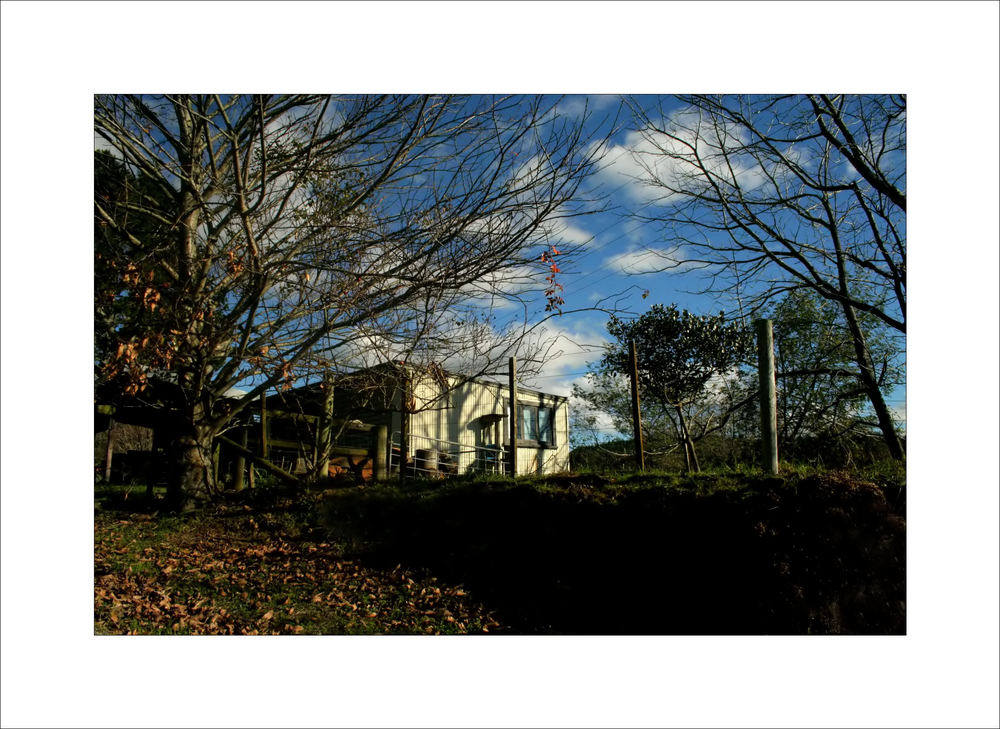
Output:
x=433 y=457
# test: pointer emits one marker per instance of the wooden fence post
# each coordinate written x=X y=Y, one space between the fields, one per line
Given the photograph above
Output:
x=512 y=425
x=768 y=397
x=381 y=452
x=633 y=370
x=263 y=425
x=216 y=457
x=324 y=434
x=240 y=462
x=109 y=452
x=404 y=426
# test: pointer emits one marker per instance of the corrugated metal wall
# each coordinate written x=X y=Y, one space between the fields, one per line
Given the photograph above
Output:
x=454 y=422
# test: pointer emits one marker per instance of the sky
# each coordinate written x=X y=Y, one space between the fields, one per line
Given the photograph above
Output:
x=610 y=260
x=944 y=672
x=622 y=263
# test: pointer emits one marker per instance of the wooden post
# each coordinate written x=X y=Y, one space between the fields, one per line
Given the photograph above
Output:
x=216 y=457
x=633 y=371
x=404 y=426
x=512 y=425
x=263 y=425
x=768 y=397
x=240 y=462
x=381 y=452
x=263 y=463
x=109 y=452
x=324 y=435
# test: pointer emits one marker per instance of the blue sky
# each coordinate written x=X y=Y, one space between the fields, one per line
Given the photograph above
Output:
x=611 y=261
x=620 y=261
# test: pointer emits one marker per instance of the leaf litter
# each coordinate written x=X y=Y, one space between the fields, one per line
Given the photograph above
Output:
x=223 y=575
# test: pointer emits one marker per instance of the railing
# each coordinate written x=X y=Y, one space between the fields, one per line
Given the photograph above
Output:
x=432 y=457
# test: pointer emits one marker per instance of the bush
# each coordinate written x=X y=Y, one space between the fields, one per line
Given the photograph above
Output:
x=708 y=554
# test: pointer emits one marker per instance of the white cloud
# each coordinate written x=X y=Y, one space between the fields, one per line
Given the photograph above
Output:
x=567 y=351
x=899 y=414
x=619 y=169
x=559 y=230
x=635 y=231
x=648 y=164
x=648 y=260
x=503 y=289
x=103 y=145
x=642 y=165
x=575 y=105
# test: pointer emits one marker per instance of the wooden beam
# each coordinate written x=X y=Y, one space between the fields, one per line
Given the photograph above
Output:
x=296 y=417
x=216 y=453
x=512 y=425
x=109 y=452
x=347 y=451
x=304 y=418
x=289 y=445
x=240 y=463
x=404 y=425
x=263 y=424
x=382 y=453
x=262 y=462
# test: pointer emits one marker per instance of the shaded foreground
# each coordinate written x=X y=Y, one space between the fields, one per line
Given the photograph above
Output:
x=247 y=571
x=567 y=555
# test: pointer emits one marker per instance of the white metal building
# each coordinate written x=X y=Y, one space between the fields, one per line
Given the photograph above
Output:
x=462 y=426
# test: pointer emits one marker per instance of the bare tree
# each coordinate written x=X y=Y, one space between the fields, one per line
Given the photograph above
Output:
x=773 y=193
x=293 y=234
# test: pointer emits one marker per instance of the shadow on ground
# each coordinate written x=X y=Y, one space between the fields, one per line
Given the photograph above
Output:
x=822 y=555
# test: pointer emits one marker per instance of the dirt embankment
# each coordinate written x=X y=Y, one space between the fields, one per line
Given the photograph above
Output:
x=584 y=555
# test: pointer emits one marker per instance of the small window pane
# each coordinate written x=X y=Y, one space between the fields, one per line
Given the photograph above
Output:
x=529 y=422
x=545 y=425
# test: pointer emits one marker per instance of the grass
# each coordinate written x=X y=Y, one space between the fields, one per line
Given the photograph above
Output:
x=712 y=553
x=243 y=571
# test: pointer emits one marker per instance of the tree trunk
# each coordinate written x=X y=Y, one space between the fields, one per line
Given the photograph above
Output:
x=192 y=481
x=690 y=457
x=694 y=455
x=863 y=357
x=870 y=384
x=324 y=436
x=191 y=484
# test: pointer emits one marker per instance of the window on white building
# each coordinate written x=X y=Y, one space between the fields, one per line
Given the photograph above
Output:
x=536 y=424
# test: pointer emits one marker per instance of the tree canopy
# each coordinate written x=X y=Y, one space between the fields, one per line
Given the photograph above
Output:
x=268 y=239
x=770 y=193
x=677 y=354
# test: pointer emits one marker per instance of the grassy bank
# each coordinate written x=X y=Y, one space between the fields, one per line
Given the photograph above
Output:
x=725 y=553
x=241 y=570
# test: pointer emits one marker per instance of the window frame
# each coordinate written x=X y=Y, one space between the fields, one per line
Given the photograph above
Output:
x=536 y=408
